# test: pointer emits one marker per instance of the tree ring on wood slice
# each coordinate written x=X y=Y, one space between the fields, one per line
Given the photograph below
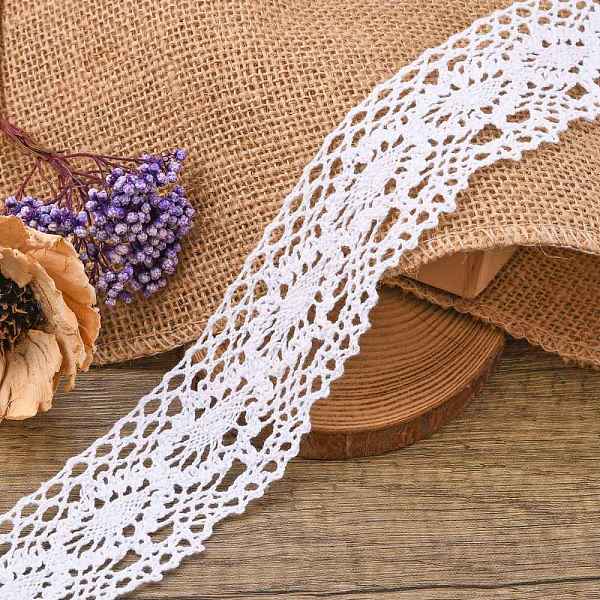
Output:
x=418 y=367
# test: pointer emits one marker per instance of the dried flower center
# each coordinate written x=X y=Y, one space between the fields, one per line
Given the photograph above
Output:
x=19 y=312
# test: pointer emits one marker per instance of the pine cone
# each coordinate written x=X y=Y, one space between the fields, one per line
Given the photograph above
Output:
x=48 y=323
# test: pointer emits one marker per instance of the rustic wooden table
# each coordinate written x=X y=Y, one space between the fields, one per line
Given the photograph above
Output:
x=502 y=503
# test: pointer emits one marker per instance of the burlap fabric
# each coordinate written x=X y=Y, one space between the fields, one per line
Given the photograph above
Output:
x=547 y=295
x=250 y=88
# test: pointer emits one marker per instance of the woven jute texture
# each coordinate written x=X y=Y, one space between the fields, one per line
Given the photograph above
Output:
x=547 y=295
x=250 y=88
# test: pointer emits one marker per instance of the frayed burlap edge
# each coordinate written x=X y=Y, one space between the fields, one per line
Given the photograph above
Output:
x=486 y=238
x=579 y=354
x=436 y=247
x=520 y=322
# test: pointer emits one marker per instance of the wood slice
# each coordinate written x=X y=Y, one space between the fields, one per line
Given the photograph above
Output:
x=418 y=367
x=465 y=274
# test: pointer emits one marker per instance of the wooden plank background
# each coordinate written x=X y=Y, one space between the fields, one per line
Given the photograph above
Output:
x=501 y=504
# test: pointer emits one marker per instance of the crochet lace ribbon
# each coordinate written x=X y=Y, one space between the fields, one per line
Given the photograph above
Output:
x=222 y=426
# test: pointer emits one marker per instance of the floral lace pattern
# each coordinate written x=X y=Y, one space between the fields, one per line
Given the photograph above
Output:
x=226 y=420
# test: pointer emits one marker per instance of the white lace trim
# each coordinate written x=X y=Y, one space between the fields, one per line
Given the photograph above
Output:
x=215 y=433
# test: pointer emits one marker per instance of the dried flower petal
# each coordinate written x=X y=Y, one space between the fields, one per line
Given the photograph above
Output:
x=49 y=266
x=28 y=376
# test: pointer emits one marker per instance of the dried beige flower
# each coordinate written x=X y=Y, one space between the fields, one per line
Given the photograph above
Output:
x=58 y=341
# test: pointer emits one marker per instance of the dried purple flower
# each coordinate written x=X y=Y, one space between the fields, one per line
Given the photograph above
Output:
x=125 y=216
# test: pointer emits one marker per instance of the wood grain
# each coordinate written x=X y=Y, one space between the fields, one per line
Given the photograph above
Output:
x=502 y=503
x=418 y=367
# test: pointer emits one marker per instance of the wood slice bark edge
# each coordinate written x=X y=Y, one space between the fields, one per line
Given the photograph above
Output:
x=419 y=366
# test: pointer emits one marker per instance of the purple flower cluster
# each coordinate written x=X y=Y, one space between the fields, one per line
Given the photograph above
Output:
x=47 y=218
x=129 y=230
